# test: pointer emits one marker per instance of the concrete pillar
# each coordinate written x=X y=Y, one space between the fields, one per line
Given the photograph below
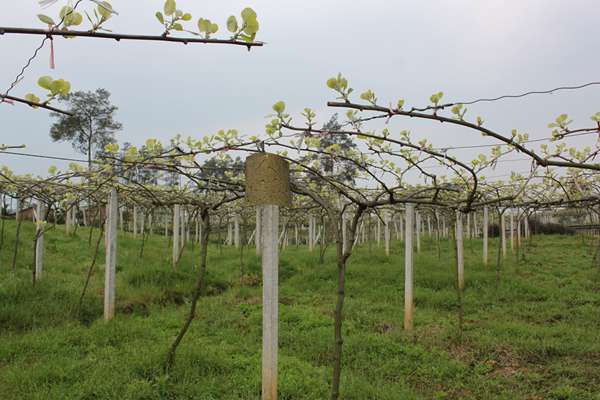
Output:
x=270 y=262
x=39 y=243
x=176 y=233
x=418 y=231
x=258 y=232
x=485 y=234
x=111 y=256
x=236 y=231
x=386 y=220
x=460 y=257
x=408 y=268
x=503 y=234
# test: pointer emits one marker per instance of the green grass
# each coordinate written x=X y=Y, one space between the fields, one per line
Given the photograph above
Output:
x=535 y=337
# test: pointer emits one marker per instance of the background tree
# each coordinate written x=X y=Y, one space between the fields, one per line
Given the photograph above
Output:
x=344 y=169
x=92 y=125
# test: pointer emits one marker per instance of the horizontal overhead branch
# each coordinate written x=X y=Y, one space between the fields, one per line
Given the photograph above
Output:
x=118 y=36
x=544 y=162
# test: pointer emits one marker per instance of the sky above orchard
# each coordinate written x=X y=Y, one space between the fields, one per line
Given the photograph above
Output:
x=400 y=49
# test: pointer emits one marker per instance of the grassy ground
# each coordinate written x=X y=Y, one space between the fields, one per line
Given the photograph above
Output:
x=535 y=337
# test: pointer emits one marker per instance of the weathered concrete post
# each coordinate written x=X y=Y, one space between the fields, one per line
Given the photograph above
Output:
x=468 y=225
x=135 y=221
x=176 y=233
x=378 y=231
x=121 y=218
x=268 y=188
x=428 y=225
x=408 y=267
x=111 y=255
x=418 y=231
x=512 y=232
x=258 y=232
x=236 y=231
x=503 y=234
x=296 y=236
x=344 y=234
x=485 y=235
x=460 y=251
x=39 y=241
x=386 y=221
x=401 y=221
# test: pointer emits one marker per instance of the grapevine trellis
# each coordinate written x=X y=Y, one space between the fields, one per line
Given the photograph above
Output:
x=301 y=204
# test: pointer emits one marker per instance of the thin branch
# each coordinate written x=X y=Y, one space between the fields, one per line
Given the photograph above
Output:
x=34 y=105
x=119 y=37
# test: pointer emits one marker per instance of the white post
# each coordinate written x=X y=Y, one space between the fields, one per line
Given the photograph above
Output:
x=428 y=225
x=503 y=235
x=401 y=221
x=111 y=256
x=181 y=229
x=518 y=232
x=386 y=221
x=408 y=267
x=363 y=230
x=512 y=232
x=468 y=225
x=166 y=221
x=485 y=235
x=270 y=261
x=258 y=235
x=176 y=221
x=444 y=231
x=236 y=231
x=460 y=251
x=378 y=231
x=296 y=236
x=229 y=232
x=121 y=219
x=135 y=221
x=39 y=243
x=418 y=231
x=344 y=234
x=311 y=232
x=68 y=220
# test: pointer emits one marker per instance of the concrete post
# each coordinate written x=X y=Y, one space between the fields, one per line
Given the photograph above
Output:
x=111 y=256
x=408 y=267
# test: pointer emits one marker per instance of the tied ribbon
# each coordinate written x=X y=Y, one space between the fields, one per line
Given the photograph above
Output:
x=52 y=64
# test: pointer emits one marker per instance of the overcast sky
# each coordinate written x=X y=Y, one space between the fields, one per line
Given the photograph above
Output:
x=400 y=49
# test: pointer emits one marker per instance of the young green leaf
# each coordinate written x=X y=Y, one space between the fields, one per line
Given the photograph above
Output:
x=46 y=19
x=279 y=107
x=45 y=82
x=251 y=27
x=105 y=9
x=170 y=7
x=232 y=24
x=248 y=14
